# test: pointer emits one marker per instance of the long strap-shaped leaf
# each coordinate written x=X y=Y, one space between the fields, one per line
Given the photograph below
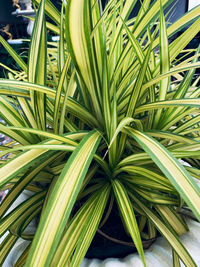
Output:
x=82 y=113
x=90 y=226
x=22 y=183
x=138 y=84
x=15 y=136
x=181 y=23
x=37 y=65
x=50 y=10
x=164 y=62
x=18 y=227
x=6 y=246
x=151 y=15
x=78 y=27
x=181 y=42
x=171 y=72
x=171 y=236
x=176 y=262
x=10 y=115
x=30 y=204
x=71 y=236
x=173 y=219
x=187 y=102
x=27 y=112
x=61 y=202
x=172 y=136
x=91 y=210
x=135 y=94
x=142 y=171
x=62 y=81
x=41 y=133
x=127 y=212
x=41 y=147
x=22 y=88
x=155 y=198
x=172 y=168
x=14 y=55
x=24 y=160
x=137 y=47
x=181 y=92
x=129 y=5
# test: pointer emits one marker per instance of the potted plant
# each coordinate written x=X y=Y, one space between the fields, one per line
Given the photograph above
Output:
x=98 y=125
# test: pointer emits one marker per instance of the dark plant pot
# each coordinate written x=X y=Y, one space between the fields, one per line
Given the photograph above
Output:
x=105 y=248
x=111 y=240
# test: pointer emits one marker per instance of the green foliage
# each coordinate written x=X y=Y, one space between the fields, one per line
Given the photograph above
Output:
x=106 y=113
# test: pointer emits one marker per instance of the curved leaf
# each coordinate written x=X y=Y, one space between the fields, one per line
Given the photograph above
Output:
x=168 y=233
x=127 y=212
x=61 y=201
x=172 y=168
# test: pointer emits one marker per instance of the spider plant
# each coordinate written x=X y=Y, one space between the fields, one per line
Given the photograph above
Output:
x=103 y=116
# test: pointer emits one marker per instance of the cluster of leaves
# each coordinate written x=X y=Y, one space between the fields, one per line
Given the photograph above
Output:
x=101 y=117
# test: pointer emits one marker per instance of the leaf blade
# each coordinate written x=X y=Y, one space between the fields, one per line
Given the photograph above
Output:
x=170 y=236
x=173 y=170
x=66 y=190
x=128 y=215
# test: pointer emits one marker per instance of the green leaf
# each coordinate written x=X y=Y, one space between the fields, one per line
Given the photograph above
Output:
x=82 y=113
x=181 y=92
x=51 y=10
x=37 y=66
x=6 y=246
x=188 y=124
x=172 y=71
x=79 y=224
x=157 y=197
x=172 y=218
x=21 y=184
x=106 y=96
x=58 y=94
x=40 y=147
x=61 y=138
x=168 y=233
x=124 y=122
x=136 y=91
x=145 y=172
x=127 y=212
x=176 y=262
x=182 y=22
x=164 y=63
x=90 y=227
x=181 y=42
x=61 y=45
x=172 y=168
x=23 y=88
x=129 y=5
x=12 y=117
x=61 y=201
x=18 y=227
x=14 y=55
x=78 y=30
x=29 y=205
x=172 y=136
x=25 y=160
x=187 y=102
